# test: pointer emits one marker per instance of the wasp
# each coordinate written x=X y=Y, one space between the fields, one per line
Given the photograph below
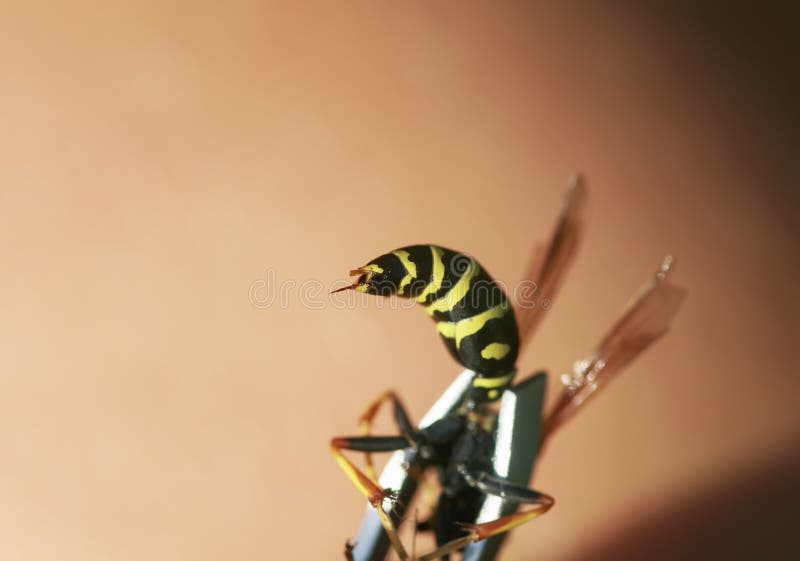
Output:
x=484 y=454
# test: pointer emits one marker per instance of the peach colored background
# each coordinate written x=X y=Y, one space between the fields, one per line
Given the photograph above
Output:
x=158 y=158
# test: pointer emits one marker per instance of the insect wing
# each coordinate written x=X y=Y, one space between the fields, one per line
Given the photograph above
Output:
x=549 y=264
x=646 y=318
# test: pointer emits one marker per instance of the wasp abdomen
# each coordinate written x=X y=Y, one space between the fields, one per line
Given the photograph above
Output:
x=471 y=311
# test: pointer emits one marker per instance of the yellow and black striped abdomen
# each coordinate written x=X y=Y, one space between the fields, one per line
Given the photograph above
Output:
x=471 y=311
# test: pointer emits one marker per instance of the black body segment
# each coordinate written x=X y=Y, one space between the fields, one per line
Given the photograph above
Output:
x=472 y=312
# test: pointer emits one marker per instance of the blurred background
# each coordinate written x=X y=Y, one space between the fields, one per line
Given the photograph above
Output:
x=168 y=167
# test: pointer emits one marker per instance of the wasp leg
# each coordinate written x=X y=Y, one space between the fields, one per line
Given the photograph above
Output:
x=348 y=550
x=374 y=494
x=365 y=422
x=495 y=486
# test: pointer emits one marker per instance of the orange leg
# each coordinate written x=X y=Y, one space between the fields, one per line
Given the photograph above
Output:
x=478 y=532
x=374 y=494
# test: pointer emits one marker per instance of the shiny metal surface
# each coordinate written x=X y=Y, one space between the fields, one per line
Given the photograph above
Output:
x=516 y=449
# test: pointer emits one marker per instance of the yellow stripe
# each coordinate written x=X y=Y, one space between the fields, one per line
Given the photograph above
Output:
x=461 y=329
x=437 y=275
x=492 y=382
x=470 y=326
x=372 y=268
x=446 y=328
x=411 y=269
x=410 y=266
x=457 y=293
x=495 y=350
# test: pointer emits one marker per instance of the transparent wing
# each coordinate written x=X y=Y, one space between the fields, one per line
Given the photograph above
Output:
x=549 y=263
x=646 y=318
